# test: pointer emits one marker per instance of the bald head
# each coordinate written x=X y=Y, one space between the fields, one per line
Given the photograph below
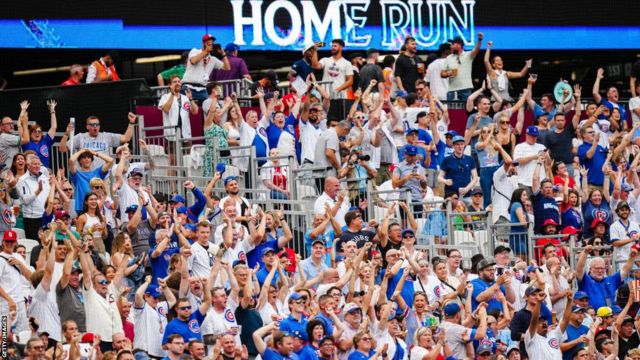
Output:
x=332 y=186
x=330 y=276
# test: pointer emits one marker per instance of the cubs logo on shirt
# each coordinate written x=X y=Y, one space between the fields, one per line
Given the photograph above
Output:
x=6 y=216
x=262 y=131
x=436 y=290
x=600 y=215
x=553 y=342
x=194 y=326
x=242 y=256
x=186 y=106
x=228 y=315
x=44 y=151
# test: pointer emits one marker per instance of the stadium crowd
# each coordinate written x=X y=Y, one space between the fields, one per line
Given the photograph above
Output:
x=122 y=272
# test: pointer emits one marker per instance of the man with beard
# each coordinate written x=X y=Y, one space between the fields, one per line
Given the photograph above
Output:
x=602 y=288
x=485 y=286
x=624 y=232
x=282 y=343
x=409 y=67
x=458 y=69
x=309 y=130
x=337 y=69
x=539 y=342
x=103 y=69
x=232 y=189
x=612 y=96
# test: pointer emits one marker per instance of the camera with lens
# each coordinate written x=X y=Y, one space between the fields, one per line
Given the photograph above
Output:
x=217 y=51
x=364 y=157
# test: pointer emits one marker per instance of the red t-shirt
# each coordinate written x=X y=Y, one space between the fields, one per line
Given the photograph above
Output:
x=557 y=180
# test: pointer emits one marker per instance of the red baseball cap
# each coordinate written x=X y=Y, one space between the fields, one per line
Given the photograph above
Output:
x=595 y=223
x=570 y=230
x=206 y=37
x=61 y=213
x=10 y=235
x=550 y=222
x=87 y=338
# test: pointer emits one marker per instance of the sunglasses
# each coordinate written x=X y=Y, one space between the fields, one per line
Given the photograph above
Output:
x=408 y=237
x=104 y=282
x=37 y=131
x=69 y=189
x=94 y=125
x=504 y=122
x=98 y=187
x=184 y=308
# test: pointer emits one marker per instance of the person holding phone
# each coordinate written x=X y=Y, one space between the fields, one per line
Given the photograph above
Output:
x=33 y=189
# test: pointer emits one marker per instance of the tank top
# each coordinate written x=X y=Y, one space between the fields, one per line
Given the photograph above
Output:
x=501 y=84
x=91 y=220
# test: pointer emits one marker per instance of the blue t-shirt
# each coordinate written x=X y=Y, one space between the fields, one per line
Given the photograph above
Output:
x=255 y=256
x=423 y=135
x=514 y=218
x=609 y=104
x=595 y=175
x=479 y=286
x=190 y=330
x=260 y=143
x=459 y=170
x=274 y=355
x=544 y=208
x=573 y=333
x=591 y=212
x=262 y=276
x=407 y=291
x=572 y=217
x=302 y=68
x=537 y=110
x=291 y=325
x=160 y=264
x=357 y=355
x=43 y=148
x=308 y=352
x=80 y=181
x=600 y=291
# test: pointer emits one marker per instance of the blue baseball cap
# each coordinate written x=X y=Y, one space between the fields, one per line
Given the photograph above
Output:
x=401 y=94
x=238 y=262
x=577 y=309
x=451 y=133
x=408 y=231
x=410 y=150
x=579 y=295
x=411 y=131
x=182 y=210
x=457 y=138
x=451 y=309
x=153 y=290
x=539 y=112
x=229 y=179
x=295 y=296
x=177 y=198
x=231 y=47
x=191 y=227
x=533 y=130
x=265 y=251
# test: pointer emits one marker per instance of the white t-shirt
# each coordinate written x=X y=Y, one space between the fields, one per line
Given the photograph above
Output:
x=46 y=312
x=621 y=232
x=544 y=348
x=171 y=118
x=128 y=196
x=337 y=72
x=439 y=86
x=436 y=289
x=634 y=103
x=198 y=73
x=10 y=278
x=418 y=352
x=217 y=324
x=217 y=235
x=201 y=259
x=501 y=194
x=150 y=324
x=318 y=208
x=308 y=138
x=525 y=172
x=463 y=63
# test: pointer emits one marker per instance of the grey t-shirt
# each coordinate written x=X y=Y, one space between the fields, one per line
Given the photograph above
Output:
x=140 y=238
x=101 y=143
x=403 y=169
x=71 y=306
x=9 y=147
x=326 y=140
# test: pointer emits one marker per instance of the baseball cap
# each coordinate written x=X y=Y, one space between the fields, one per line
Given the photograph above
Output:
x=579 y=295
x=229 y=179
x=622 y=204
x=10 y=235
x=550 y=222
x=238 y=262
x=76 y=267
x=317 y=241
x=265 y=251
x=351 y=307
x=411 y=131
x=272 y=76
x=299 y=334
x=135 y=171
x=539 y=113
x=206 y=37
x=476 y=191
x=408 y=231
x=177 y=198
x=191 y=227
x=356 y=55
x=410 y=150
x=182 y=210
x=88 y=338
x=451 y=133
x=485 y=347
x=231 y=47
x=61 y=213
x=457 y=138
x=131 y=208
x=628 y=319
x=451 y=309
x=532 y=268
x=401 y=94
x=500 y=249
x=616 y=309
x=570 y=230
x=577 y=309
x=485 y=263
x=604 y=311
x=533 y=130
x=293 y=297
x=307 y=48
x=153 y=290
x=531 y=290
x=596 y=221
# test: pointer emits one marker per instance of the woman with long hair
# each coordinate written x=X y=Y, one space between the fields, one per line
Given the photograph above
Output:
x=18 y=165
x=213 y=132
x=489 y=152
x=134 y=272
x=443 y=288
x=107 y=207
x=596 y=204
x=504 y=133
x=232 y=127
x=33 y=139
x=92 y=222
x=499 y=76
x=518 y=241
x=571 y=214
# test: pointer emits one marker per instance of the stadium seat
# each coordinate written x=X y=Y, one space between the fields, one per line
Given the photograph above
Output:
x=19 y=232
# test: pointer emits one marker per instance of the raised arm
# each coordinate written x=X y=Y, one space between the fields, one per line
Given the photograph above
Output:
x=476 y=49
x=487 y=61
x=596 y=86
x=582 y=261
x=51 y=104
x=138 y=300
